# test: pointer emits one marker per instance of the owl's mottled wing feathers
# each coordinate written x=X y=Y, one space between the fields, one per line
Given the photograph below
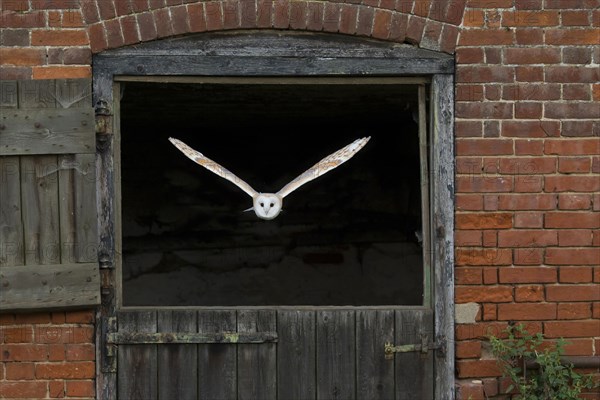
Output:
x=212 y=166
x=325 y=165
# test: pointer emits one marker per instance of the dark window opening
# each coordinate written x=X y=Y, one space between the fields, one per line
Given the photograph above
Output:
x=346 y=238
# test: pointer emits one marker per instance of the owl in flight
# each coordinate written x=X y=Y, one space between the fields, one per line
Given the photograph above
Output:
x=268 y=205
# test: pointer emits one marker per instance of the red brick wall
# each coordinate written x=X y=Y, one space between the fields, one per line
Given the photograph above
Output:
x=527 y=204
x=528 y=152
x=47 y=355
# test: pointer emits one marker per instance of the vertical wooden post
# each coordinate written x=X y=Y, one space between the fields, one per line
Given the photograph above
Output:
x=442 y=224
x=106 y=378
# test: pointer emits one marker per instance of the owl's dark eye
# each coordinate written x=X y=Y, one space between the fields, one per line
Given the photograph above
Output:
x=272 y=204
x=262 y=204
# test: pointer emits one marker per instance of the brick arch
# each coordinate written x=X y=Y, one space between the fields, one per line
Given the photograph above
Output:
x=427 y=25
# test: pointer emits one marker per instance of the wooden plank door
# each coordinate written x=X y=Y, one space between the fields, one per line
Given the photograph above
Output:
x=321 y=354
x=48 y=214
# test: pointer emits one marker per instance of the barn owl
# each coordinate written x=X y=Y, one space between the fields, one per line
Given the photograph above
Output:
x=268 y=205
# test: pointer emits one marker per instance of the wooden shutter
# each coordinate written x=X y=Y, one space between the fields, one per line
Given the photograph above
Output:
x=48 y=235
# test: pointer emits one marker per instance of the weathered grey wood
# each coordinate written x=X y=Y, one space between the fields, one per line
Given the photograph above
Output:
x=217 y=375
x=280 y=80
x=39 y=183
x=177 y=364
x=78 y=214
x=271 y=53
x=67 y=208
x=336 y=355
x=296 y=355
x=239 y=66
x=414 y=370
x=8 y=94
x=442 y=95
x=257 y=363
x=39 y=197
x=107 y=192
x=106 y=379
x=425 y=204
x=36 y=287
x=137 y=365
x=277 y=43
x=11 y=226
x=47 y=131
x=37 y=94
x=375 y=374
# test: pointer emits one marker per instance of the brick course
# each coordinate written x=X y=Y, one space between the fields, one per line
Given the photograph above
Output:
x=42 y=353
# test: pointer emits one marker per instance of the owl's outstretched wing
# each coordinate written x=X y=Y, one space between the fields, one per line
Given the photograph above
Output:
x=212 y=166
x=325 y=165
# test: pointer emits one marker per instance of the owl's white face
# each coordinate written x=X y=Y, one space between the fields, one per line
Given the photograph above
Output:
x=267 y=205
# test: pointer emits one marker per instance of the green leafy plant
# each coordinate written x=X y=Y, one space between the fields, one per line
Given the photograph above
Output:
x=551 y=380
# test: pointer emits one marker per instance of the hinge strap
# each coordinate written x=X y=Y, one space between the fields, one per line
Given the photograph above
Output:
x=422 y=347
x=133 y=338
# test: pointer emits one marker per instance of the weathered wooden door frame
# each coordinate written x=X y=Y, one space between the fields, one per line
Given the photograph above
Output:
x=243 y=56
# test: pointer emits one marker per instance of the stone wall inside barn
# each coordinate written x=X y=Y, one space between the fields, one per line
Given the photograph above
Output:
x=527 y=156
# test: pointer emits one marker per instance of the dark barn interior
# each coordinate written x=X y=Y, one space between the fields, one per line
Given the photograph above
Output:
x=346 y=238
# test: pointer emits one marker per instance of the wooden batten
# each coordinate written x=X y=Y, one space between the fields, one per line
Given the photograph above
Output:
x=47 y=131
x=36 y=287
